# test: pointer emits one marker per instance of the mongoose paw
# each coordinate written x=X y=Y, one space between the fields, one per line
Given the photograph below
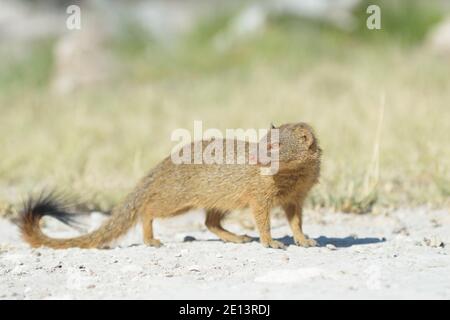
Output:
x=153 y=243
x=244 y=239
x=274 y=244
x=304 y=242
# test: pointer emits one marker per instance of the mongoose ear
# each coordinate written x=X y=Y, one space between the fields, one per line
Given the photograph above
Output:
x=308 y=139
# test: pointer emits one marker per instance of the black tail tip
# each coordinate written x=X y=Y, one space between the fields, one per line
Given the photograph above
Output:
x=51 y=204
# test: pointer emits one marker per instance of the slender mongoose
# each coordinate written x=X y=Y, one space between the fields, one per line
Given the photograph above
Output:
x=170 y=189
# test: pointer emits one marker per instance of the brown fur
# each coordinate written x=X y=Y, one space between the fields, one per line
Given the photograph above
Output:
x=171 y=189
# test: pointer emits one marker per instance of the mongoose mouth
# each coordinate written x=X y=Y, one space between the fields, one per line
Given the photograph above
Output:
x=308 y=159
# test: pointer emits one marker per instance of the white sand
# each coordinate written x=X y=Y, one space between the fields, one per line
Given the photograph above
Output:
x=353 y=262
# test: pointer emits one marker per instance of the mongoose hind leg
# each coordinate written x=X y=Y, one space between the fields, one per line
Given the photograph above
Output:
x=213 y=223
x=262 y=219
x=294 y=215
x=147 y=226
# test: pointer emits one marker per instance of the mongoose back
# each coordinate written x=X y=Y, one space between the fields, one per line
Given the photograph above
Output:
x=171 y=189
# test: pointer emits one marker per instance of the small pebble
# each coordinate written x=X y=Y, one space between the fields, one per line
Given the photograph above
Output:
x=434 y=242
x=194 y=268
x=402 y=231
x=331 y=247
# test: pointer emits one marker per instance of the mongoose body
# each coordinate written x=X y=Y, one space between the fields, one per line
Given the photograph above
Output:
x=171 y=189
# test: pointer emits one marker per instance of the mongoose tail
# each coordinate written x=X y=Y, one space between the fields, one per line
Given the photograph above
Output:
x=123 y=218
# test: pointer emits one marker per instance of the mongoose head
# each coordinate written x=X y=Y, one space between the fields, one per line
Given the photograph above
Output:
x=297 y=145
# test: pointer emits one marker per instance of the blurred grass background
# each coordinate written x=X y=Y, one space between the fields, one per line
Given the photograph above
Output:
x=98 y=141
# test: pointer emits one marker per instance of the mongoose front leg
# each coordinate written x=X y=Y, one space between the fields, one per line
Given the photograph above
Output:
x=294 y=215
x=147 y=226
x=213 y=223
x=262 y=220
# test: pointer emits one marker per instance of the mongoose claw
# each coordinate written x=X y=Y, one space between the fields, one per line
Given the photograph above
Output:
x=304 y=242
x=274 y=244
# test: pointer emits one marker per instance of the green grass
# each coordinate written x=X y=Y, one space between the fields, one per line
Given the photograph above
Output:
x=30 y=69
x=97 y=142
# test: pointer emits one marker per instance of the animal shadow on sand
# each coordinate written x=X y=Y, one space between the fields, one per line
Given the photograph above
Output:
x=322 y=241
x=344 y=242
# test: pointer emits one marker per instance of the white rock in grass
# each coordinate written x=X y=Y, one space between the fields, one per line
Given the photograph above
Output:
x=439 y=38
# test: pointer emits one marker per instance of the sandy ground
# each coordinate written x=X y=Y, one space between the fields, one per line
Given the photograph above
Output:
x=404 y=254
